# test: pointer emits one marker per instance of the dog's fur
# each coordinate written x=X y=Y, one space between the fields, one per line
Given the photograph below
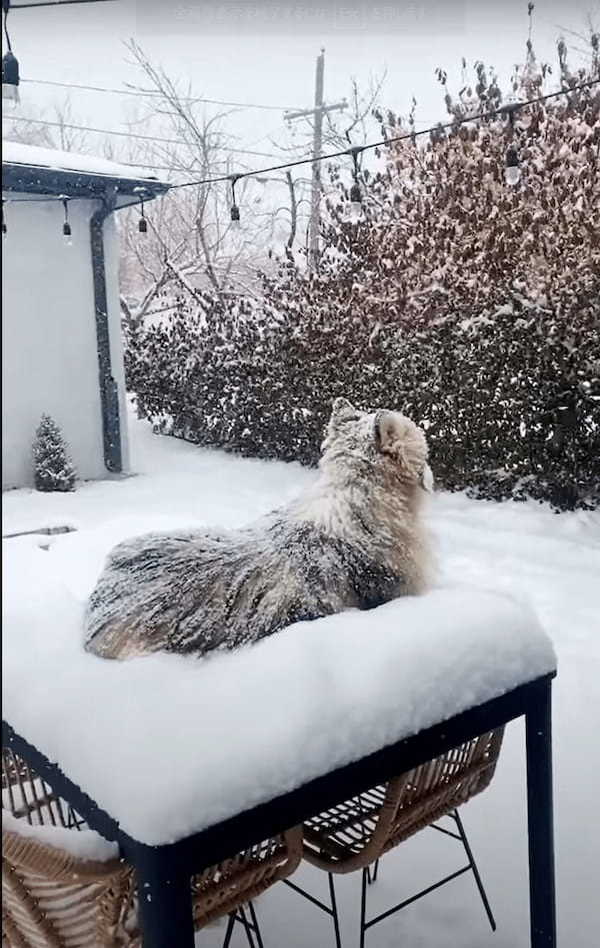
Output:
x=355 y=540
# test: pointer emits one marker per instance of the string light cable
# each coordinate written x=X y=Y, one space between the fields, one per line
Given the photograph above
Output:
x=354 y=152
x=54 y=3
x=385 y=142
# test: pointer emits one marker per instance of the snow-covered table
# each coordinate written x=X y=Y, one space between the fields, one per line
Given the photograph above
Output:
x=185 y=762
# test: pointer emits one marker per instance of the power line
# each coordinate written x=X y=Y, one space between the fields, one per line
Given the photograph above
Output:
x=155 y=95
x=53 y=3
x=107 y=131
x=441 y=126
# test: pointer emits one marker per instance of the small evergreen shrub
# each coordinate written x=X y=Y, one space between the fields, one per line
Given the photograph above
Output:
x=53 y=468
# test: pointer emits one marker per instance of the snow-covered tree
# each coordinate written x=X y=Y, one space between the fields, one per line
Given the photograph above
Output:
x=53 y=468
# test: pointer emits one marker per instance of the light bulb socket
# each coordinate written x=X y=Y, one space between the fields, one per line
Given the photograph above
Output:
x=66 y=229
x=235 y=214
x=355 y=194
x=10 y=70
x=142 y=225
x=512 y=157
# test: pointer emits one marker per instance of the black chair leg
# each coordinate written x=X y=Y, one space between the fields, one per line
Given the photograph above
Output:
x=363 y=908
x=247 y=927
x=475 y=870
x=229 y=932
x=334 y=912
x=255 y=925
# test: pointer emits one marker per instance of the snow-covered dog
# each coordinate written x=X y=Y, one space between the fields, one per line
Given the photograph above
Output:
x=354 y=540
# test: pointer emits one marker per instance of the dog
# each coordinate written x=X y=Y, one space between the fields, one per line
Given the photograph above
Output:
x=353 y=541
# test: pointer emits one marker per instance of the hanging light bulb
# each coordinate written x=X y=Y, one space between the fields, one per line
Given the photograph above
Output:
x=234 y=212
x=512 y=169
x=10 y=66
x=10 y=79
x=355 y=207
x=66 y=226
x=142 y=223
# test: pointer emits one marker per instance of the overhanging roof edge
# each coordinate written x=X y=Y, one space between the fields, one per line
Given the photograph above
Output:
x=37 y=179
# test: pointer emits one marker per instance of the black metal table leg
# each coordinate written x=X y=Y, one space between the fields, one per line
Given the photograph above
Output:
x=542 y=896
x=165 y=903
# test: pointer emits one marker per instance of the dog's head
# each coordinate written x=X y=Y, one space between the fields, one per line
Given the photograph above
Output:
x=388 y=437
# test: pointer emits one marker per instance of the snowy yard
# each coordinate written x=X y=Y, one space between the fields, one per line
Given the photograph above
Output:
x=553 y=560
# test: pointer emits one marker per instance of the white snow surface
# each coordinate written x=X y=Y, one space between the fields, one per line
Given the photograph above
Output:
x=36 y=156
x=82 y=844
x=552 y=561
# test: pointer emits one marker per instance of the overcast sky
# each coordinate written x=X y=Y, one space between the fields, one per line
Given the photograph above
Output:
x=265 y=52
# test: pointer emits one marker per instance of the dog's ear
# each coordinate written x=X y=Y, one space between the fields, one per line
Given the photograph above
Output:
x=341 y=406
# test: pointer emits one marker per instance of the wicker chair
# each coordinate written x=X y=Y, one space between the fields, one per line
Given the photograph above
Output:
x=52 y=899
x=355 y=834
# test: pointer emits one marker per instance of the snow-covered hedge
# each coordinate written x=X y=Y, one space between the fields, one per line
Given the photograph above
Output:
x=471 y=306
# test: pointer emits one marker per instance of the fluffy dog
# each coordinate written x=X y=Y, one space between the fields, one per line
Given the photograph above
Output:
x=354 y=540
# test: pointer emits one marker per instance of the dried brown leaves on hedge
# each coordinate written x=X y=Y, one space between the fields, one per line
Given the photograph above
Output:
x=471 y=306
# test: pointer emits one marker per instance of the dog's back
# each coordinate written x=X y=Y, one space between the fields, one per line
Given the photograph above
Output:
x=199 y=592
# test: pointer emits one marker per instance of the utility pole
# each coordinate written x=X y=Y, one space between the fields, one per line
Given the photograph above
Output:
x=317 y=112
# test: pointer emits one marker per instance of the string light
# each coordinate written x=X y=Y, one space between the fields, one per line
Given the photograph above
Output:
x=512 y=168
x=234 y=212
x=356 y=205
x=10 y=66
x=142 y=223
x=66 y=226
x=386 y=142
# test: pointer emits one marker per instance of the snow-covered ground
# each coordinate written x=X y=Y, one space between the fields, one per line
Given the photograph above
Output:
x=553 y=559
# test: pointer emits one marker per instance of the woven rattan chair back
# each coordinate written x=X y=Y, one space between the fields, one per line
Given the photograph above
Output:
x=52 y=899
x=354 y=834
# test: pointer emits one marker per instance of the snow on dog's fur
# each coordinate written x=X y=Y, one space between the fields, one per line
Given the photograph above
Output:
x=354 y=540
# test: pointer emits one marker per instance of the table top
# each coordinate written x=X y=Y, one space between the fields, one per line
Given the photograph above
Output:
x=169 y=746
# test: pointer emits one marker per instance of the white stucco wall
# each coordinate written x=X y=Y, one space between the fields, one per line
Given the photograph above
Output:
x=49 y=353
